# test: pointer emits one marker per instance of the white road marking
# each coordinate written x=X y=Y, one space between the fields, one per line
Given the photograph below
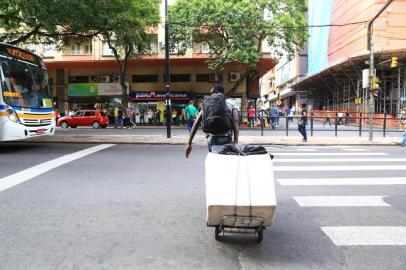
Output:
x=25 y=175
x=366 y=235
x=329 y=154
x=340 y=201
x=288 y=160
x=306 y=149
x=340 y=168
x=342 y=181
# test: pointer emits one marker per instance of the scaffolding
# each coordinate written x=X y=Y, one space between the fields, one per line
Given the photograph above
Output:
x=336 y=88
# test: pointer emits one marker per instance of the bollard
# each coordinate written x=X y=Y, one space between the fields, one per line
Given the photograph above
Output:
x=384 y=125
x=311 y=124
x=287 y=126
x=360 y=124
x=336 y=125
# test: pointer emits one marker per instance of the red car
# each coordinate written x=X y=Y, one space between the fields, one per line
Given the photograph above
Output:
x=94 y=118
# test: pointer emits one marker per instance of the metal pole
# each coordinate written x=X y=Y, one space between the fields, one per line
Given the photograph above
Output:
x=384 y=125
x=371 y=70
x=287 y=125
x=360 y=124
x=311 y=124
x=167 y=74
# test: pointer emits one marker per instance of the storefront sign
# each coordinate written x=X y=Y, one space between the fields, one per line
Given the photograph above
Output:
x=155 y=95
x=94 y=89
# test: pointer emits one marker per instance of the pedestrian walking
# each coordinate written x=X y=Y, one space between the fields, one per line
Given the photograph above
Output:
x=150 y=115
x=347 y=118
x=191 y=113
x=142 y=116
x=220 y=121
x=251 y=116
x=340 y=118
x=120 y=118
x=303 y=122
x=132 y=118
x=116 y=117
x=328 y=119
x=403 y=127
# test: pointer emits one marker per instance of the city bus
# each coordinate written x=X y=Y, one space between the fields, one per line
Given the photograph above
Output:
x=26 y=108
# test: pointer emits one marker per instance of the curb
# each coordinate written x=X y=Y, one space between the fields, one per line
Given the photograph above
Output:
x=201 y=140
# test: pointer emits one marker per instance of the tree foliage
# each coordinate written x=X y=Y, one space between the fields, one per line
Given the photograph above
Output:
x=235 y=29
x=124 y=24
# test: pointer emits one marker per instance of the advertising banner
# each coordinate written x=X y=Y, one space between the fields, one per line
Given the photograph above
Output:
x=94 y=89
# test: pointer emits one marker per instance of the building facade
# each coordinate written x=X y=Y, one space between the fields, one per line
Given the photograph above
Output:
x=338 y=54
x=86 y=74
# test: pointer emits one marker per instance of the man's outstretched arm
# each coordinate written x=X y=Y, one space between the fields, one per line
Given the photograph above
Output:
x=195 y=127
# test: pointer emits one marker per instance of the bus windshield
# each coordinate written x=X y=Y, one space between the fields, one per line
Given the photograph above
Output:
x=25 y=84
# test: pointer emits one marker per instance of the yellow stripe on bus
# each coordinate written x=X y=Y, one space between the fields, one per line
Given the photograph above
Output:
x=37 y=116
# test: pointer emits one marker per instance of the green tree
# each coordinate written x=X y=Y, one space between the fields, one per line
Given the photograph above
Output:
x=129 y=32
x=48 y=20
x=127 y=25
x=235 y=29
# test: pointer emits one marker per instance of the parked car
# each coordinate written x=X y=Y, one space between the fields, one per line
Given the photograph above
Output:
x=94 y=118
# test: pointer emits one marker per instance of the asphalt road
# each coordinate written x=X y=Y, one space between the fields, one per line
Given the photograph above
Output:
x=143 y=207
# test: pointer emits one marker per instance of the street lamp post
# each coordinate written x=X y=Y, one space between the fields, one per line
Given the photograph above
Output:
x=371 y=71
x=167 y=74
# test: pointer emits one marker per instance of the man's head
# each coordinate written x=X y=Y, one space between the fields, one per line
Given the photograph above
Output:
x=217 y=88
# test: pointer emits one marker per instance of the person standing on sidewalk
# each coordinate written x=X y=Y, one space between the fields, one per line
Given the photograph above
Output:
x=403 y=127
x=328 y=118
x=191 y=113
x=228 y=122
x=115 y=117
x=303 y=123
x=340 y=118
x=347 y=118
x=251 y=116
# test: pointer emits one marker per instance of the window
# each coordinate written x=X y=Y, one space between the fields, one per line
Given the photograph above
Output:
x=207 y=77
x=88 y=49
x=202 y=77
x=49 y=50
x=176 y=48
x=75 y=49
x=106 y=49
x=89 y=113
x=205 y=47
x=153 y=48
x=78 y=79
x=145 y=78
x=180 y=78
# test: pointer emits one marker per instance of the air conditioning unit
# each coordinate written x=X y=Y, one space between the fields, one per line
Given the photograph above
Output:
x=93 y=79
x=161 y=45
x=234 y=76
x=213 y=77
x=116 y=79
x=105 y=79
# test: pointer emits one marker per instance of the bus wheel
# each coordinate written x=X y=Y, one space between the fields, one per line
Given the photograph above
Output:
x=64 y=124
x=95 y=124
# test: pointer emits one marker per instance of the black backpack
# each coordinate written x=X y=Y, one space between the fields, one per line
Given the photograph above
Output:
x=216 y=116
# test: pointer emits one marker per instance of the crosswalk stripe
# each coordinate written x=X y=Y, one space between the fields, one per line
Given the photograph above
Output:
x=27 y=174
x=342 y=181
x=340 y=168
x=355 y=149
x=329 y=154
x=288 y=160
x=366 y=235
x=340 y=201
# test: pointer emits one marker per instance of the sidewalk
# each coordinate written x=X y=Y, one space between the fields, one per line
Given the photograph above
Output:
x=201 y=140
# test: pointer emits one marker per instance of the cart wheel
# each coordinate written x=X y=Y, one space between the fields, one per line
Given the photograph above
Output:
x=217 y=233
x=260 y=235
